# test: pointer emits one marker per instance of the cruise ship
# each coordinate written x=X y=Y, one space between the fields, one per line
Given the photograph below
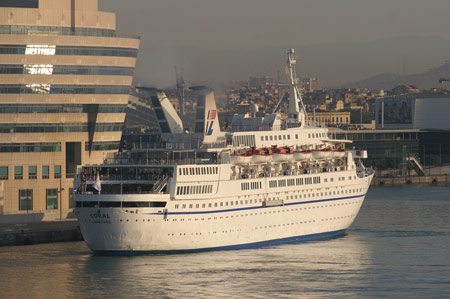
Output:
x=268 y=180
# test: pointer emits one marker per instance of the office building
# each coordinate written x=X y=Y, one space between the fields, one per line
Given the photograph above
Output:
x=65 y=77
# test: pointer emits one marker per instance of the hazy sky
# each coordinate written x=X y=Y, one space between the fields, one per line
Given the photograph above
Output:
x=174 y=31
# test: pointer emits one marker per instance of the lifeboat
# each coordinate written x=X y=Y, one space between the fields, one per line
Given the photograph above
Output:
x=303 y=155
x=261 y=155
x=240 y=158
x=322 y=153
x=338 y=153
x=282 y=154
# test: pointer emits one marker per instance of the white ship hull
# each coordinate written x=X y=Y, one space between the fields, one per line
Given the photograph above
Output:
x=307 y=211
x=217 y=198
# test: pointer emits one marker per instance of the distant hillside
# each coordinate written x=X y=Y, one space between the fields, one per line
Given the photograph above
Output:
x=388 y=81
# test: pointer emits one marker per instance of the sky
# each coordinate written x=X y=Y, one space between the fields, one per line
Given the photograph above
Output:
x=214 y=40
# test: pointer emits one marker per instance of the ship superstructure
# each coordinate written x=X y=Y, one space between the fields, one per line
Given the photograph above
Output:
x=269 y=180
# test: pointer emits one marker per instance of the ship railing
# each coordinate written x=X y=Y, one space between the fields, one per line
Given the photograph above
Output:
x=168 y=161
x=282 y=127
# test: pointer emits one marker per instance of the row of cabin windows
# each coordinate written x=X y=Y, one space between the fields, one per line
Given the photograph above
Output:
x=244 y=140
x=293 y=182
x=251 y=186
x=317 y=135
x=220 y=204
x=309 y=194
x=288 y=137
x=277 y=137
x=198 y=170
x=200 y=189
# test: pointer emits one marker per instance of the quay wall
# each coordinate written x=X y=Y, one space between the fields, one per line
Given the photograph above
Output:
x=443 y=180
x=39 y=232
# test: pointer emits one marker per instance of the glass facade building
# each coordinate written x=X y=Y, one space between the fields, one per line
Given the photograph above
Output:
x=65 y=78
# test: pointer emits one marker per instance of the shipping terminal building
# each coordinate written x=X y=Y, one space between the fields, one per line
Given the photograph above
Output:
x=65 y=78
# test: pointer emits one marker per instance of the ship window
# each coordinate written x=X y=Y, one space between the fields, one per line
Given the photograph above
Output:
x=142 y=204
x=90 y=204
x=110 y=204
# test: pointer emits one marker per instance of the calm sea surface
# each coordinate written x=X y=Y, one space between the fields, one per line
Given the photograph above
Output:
x=399 y=247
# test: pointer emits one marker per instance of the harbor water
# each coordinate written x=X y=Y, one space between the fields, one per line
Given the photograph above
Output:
x=398 y=247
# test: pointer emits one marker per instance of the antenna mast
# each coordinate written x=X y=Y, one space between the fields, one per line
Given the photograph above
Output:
x=294 y=95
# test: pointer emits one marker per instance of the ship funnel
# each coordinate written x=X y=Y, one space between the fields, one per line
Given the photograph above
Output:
x=207 y=120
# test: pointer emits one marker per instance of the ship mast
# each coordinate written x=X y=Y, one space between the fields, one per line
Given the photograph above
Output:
x=295 y=98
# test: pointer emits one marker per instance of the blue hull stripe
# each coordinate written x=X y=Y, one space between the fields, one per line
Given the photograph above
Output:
x=326 y=235
x=255 y=208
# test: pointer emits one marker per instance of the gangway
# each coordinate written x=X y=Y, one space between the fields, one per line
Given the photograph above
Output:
x=415 y=164
x=160 y=184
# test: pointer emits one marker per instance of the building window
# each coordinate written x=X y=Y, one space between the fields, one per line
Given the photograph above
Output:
x=18 y=172
x=52 y=199
x=32 y=172
x=3 y=173
x=57 y=171
x=71 y=200
x=45 y=172
x=25 y=199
